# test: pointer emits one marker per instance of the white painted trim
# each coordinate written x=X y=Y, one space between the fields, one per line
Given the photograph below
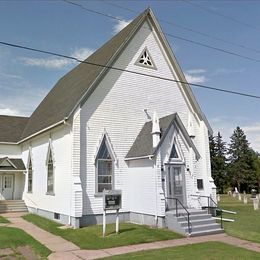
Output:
x=9 y=161
x=141 y=157
x=9 y=143
x=43 y=130
x=12 y=170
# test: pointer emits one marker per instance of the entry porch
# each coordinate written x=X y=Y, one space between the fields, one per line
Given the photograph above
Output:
x=12 y=178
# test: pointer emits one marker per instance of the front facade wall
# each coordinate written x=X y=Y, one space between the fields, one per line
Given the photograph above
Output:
x=119 y=106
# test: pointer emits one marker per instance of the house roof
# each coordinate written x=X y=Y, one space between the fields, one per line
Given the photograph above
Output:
x=143 y=144
x=71 y=89
x=75 y=87
x=11 y=128
x=16 y=164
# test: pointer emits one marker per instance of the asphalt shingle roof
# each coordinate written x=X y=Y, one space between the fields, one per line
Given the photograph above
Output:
x=70 y=89
x=11 y=128
x=143 y=144
x=18 y=163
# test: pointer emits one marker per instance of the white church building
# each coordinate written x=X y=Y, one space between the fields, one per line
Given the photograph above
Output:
x=125 y=119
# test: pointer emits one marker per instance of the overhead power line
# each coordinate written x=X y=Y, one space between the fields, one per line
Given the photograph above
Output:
x=187 y=28
x=171 y=35
x=128 y=71
x=221 y=15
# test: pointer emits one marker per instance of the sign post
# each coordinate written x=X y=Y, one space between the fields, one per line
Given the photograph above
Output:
x=112 y=200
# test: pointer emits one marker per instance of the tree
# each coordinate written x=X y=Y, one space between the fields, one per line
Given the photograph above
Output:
x=240 y=156
x=218 y=152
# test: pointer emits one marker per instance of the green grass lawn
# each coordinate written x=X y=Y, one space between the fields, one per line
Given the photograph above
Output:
x=247 y=220
x=91 y=237
x=14 y=237
x=3 y=220
x=202 y=251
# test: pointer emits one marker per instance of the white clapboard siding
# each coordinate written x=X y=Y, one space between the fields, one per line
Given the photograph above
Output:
x=117 y=107
x=61 y=144
x=10 y=150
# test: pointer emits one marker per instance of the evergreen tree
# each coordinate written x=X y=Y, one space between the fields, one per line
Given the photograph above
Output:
x=218 y=161
x=240 y=159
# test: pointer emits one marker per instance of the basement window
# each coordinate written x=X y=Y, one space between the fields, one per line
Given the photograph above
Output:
x=56 y=216
x=200 y=184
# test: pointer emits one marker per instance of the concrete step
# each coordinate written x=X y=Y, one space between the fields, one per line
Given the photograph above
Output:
x=194 y=217
x=199 y=228
x=207 y=232
x=12 y=206
x=201 y=222
x=198 y=222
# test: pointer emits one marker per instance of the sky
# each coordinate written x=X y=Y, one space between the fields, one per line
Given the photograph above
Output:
x=58 y=26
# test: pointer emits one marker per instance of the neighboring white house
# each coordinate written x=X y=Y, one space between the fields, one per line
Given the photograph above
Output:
x=103 y=128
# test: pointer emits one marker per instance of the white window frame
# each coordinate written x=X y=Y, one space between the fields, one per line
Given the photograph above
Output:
x=50 y=154
x=30 y=172
x=113 y=161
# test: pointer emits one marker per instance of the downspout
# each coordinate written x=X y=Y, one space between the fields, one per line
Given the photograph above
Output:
x=156 y=135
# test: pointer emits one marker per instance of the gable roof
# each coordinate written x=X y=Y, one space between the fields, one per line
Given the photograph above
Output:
x=71 y=89
x=11 y=128
x=143 y=144
x=77 y=85
x=16 y=164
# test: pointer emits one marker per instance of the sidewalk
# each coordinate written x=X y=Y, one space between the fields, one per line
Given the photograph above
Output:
x=65 y=250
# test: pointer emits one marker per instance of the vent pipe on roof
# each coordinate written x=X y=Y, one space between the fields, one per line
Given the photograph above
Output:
x=155 y=130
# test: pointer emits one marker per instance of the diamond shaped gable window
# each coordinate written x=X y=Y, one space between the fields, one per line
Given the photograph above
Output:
x=145 y=60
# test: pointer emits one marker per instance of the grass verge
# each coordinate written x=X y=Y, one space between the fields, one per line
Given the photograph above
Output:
x=3 y=220
x=202 y=251
x=91 y=237
x=246 y=225
x=14 y=237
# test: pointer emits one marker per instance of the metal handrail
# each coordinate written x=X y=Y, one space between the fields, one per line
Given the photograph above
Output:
x=176 y=211
x=210 y=207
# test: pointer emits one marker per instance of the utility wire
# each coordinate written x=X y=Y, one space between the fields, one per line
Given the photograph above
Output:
x=170 y=35
x=187 y=28
x=221 y=15
x=125 y=70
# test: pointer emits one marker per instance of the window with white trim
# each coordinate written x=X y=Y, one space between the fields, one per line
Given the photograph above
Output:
x=104 y=167
x=174 y=154
x=30 y=175
x=50 y=173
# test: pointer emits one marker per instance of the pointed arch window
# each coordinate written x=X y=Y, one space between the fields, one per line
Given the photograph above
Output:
x=30 y=175
x=174 y=153
x=104 y=167
x=50 y=172
x=145 y=59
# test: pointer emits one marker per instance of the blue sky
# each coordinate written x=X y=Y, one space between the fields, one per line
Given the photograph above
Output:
x=26 y=77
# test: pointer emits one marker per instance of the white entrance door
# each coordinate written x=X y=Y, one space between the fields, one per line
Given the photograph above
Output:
x=7 y=186
x=175 y=185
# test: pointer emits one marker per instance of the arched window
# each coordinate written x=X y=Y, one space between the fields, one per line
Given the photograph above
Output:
x=30 y=174
x=104 y=167
x=50 y=172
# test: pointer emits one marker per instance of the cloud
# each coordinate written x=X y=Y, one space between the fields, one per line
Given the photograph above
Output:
x=57 y=63
x=9 y=76
x=10 y=112
x=121 y=24
x=226 y=126
x=225 y=71
x=195 y=76
x=196 y=71
x=195 y=79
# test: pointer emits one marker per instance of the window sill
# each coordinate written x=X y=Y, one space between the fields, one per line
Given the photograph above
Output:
x=30 y=192
x=50 y=193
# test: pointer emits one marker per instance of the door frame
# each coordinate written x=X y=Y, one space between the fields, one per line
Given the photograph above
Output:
x=2 y=187
x=182 y=166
